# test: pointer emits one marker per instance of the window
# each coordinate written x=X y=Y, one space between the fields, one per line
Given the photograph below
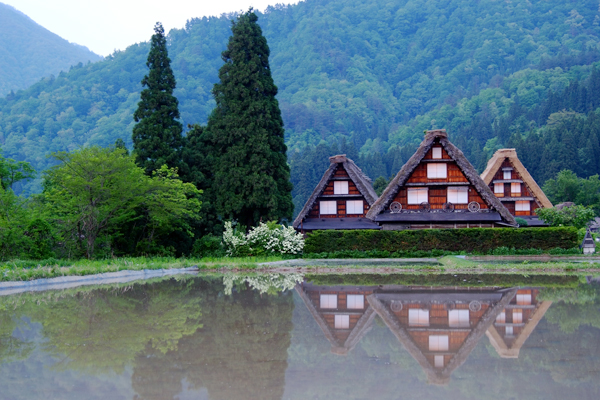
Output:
x=438 y=361
x=458 y=194
x=458 y=318
x=328 y=207
x=438 y=343
x=436 y=152
x=517 y=316
x=356 y=301
x=515 y=188
x=329 y=301
x=354 y=207
x=499 y=188
x=508 y=330
x=437 y=171
x=418 y=317
x=418 y=195
x=340 y=187
x=501 y=318
x=523 y=299
x=508 y=174
x=342 y=321
x=522 y=206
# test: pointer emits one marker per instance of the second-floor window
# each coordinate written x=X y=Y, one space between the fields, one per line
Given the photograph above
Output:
x=437 y=171
x=354 y=207
x=499 y=188
x=328 y=207
x=515 y=188
x=418 y=195
x=458 y=194
x=340 y=187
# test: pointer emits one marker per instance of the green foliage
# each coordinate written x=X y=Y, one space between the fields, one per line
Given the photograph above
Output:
x=568 y=187
x=475 y=239
x=251 y=176
x=378 y=75
x=521 y=221
x=12 y=172
x=13 y=223
x=157 y=139
x=576 y=215
x=29 y=52
x=380 y=184
x=94 y=192
x=208 y=246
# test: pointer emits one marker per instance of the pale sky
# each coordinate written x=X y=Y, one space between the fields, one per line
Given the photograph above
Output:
x=107 y=25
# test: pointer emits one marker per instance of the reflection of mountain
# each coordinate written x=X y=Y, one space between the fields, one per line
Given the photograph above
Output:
x=516 y=322
x=438 y=327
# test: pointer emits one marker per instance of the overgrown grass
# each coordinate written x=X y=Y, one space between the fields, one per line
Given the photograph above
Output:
x=25 y=270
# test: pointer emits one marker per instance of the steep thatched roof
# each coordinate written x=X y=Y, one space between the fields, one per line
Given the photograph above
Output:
x=400 y=179
x=511 y=154
x=362 y=182
x=512 y=351
x=362 y=327
x=434 y=375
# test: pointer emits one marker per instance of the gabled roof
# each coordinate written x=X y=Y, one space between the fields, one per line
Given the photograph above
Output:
x=512 y=351
x=362 y=182
x=440 y=376
x=471 y=174
x=495 y=163
x=364 y=325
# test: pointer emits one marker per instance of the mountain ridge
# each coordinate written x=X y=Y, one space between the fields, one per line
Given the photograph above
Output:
x=29 y=51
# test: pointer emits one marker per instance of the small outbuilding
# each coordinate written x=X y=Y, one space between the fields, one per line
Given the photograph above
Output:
x=588 y=246
x=340 y=200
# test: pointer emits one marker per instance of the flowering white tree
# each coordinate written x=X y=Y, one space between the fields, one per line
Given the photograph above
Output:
x=270 y=238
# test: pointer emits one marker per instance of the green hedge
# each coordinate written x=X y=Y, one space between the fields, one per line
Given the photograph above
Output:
x=481 y=240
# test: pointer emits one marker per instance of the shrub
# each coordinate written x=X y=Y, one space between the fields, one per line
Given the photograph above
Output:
x=264 y=239
x=208 y=246
x=480 y=240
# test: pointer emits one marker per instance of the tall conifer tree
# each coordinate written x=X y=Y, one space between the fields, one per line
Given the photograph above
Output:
x=251 y=179
x=157 y=138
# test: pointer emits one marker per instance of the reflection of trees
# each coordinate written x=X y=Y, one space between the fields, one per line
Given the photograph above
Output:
x=11 y=348
x=240 y=353
x=104 y=329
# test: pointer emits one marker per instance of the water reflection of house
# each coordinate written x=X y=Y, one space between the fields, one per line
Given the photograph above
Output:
x=342 y=313
x=516 y=322
x=439 y=327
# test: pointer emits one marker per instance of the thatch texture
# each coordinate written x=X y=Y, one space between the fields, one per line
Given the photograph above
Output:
x=495 y=163
x=363 y=184
x=457 y=155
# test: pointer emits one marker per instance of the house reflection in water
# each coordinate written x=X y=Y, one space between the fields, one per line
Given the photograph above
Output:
x=439 y=327
x=516 y=322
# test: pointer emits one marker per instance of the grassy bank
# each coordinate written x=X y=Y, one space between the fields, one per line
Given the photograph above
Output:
x=23 y=270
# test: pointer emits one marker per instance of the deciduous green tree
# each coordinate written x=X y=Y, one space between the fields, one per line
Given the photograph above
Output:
x=157 y=138
x=251 y=175
x=93 y=191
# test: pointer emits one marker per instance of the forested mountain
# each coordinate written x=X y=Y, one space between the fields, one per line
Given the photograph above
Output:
x=365 y=78
x=29 y=52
